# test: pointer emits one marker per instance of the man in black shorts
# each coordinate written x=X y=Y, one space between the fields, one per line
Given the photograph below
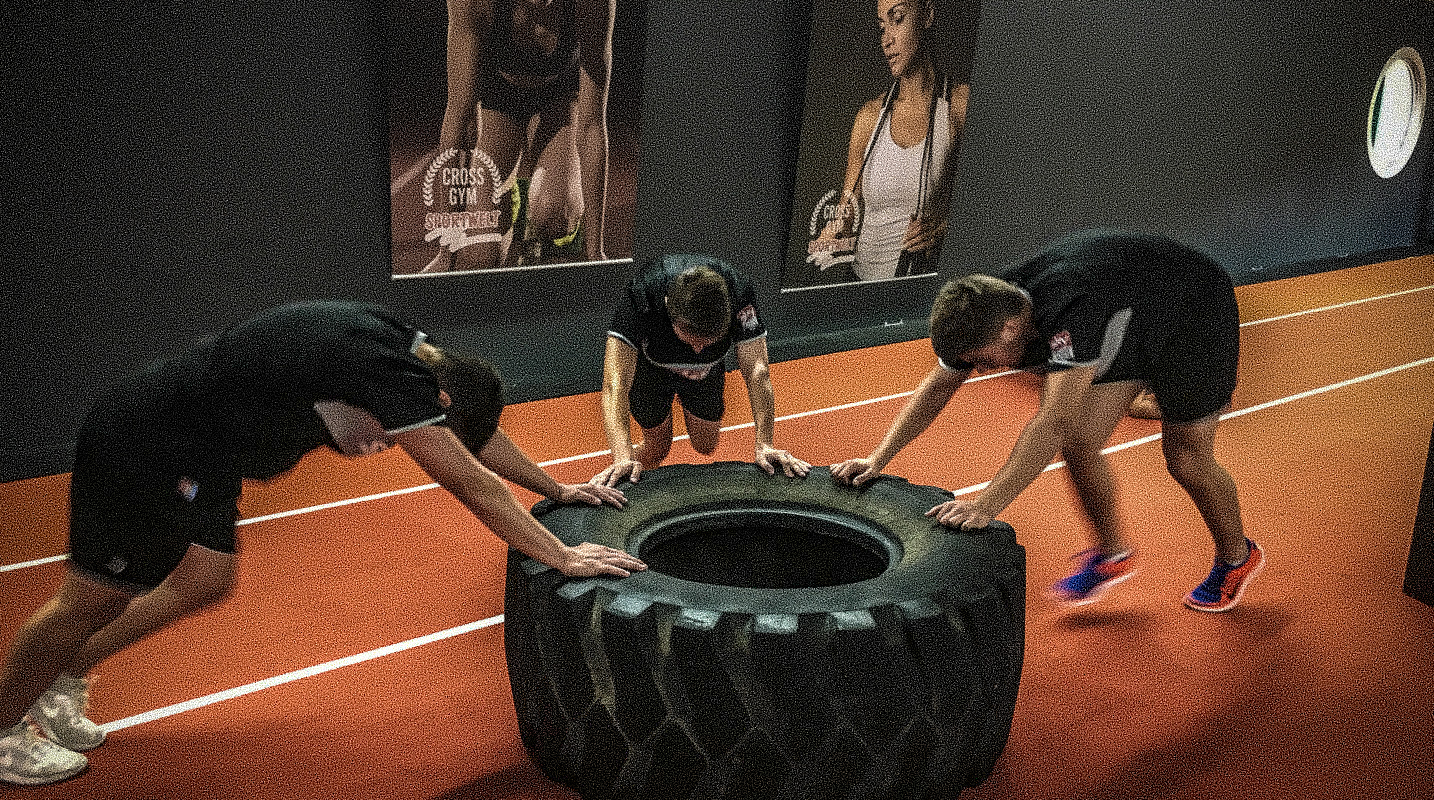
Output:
x=1102 y=315
x=670 y=334
x=158 y=471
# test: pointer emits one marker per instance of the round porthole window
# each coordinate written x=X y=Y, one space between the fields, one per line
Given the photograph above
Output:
x=1396 y=112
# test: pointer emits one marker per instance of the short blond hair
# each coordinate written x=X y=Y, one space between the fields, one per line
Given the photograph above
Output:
x=969 y=312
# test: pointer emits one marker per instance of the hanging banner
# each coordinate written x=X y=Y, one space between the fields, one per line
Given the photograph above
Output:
x=888 y=83
x=512 y=133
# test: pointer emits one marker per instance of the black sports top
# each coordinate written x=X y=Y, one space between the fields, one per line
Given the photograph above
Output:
x=641 y=319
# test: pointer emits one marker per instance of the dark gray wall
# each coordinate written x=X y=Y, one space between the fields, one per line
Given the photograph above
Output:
x=174 y=168
x=1235 y=125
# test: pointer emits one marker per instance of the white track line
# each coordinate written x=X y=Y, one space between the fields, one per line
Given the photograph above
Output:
x=298 y=674
x=1232 y=414
x=843 y=407
x=289 y=677
x=1335 y=306
x=37 y=562
x=335 y=504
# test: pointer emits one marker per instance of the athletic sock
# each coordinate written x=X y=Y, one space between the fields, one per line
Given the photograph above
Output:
x=1242 y=561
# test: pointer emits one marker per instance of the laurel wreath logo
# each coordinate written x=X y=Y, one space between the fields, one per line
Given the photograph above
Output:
x=818 y=220
x=437 y=165
x=433 y=169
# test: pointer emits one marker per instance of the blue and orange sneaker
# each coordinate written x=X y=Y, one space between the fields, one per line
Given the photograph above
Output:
x=1097 y=574
x=1226 y=583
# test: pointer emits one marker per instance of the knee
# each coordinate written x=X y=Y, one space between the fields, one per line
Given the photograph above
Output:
x=1190 y=468
x=704 y=444
x=656 y=442
x=1080 y=452
x=703 y=435
x=212 y=591
x=83 y=607
x=197 y=589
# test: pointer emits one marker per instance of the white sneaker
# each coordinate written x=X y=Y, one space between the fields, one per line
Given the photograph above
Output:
x=60 y=715
x=28 y=760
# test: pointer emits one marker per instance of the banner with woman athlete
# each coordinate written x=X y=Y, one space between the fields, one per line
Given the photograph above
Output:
x=886 y=97
x=513 y=133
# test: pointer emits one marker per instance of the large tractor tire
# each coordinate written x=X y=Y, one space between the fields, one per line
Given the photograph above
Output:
x=791 y=639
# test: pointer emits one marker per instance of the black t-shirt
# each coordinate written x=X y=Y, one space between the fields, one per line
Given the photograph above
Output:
x=1108 y=299
x=641 y=319
x=248 y=401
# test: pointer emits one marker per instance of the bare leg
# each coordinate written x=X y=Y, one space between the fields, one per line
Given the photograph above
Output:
x=702 y=433
x=203 y=578
x=655 y=444
x=555 y=196
x=1090 y=471
x=1190 y=456
x=49 y=641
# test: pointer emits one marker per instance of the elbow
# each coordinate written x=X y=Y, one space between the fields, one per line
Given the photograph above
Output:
x=758 y=375
x=613 y=393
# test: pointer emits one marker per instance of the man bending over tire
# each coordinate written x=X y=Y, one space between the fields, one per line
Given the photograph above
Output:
x=158 y=472
x=1103 y=315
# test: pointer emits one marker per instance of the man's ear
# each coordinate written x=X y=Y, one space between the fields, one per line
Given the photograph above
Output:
x=443 y=399
x=1013 y=330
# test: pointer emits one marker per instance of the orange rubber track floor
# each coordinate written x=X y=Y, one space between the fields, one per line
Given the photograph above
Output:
x=361 y=654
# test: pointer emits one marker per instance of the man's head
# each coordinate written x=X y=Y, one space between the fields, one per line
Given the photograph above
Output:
x=700 y=306
x=980 y=320
x=474 y=391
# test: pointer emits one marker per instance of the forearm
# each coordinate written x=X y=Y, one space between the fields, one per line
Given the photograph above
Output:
x=911 y=423
x=595 y=20
x=763 y=402
x=467 y=22
x=439 y=453
x=512 y=523
x=1037 y=445
x=505 y=458
x=593 y=157
x=615 y=414
x=926 y=404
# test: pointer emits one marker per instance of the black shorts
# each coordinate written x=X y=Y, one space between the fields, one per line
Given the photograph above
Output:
x=133 y=511
x=499 y=94
x=1193 y=371
x=650 y=398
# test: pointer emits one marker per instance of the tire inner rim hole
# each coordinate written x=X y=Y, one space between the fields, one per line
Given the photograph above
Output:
x=763 y=553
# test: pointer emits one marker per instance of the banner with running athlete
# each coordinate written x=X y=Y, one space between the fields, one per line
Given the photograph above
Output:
x=512 y=142
x=888 y=83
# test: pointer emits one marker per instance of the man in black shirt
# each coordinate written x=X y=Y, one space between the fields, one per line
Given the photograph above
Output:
x=1102 y=315
x=669 y=337
x=158 y=471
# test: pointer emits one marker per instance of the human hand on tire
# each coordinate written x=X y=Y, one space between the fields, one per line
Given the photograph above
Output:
x=588 y=560
x=769 y=458
x=961 y=514
x=856 y=471
x=613 y=475
x=594 y=494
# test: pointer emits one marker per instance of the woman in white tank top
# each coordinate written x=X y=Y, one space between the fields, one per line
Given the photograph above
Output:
x=902 y=154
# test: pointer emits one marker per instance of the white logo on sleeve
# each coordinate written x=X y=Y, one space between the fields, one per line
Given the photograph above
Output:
x=1062 y=348
x=748 y=317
